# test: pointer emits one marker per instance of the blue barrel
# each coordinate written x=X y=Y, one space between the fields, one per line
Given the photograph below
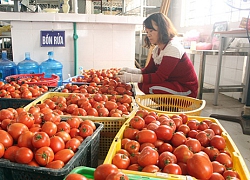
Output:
x=27 y=66
x=7 y=67
x=52 y=66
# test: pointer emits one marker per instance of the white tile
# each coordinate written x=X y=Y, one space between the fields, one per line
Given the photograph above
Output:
x=99 y=64
x=42 y=26
x=104 y=27
x=120 y=64
x=121 y=27
x=81 y=26
x=17 y=25
x=230 y=61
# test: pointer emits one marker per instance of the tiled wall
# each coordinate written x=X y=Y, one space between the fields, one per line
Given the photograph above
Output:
x=100 y=45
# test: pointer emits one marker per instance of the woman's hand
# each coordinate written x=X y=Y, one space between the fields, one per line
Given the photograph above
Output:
x=131 y=70
x=129 y=77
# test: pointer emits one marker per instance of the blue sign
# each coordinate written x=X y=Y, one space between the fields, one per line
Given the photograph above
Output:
x=52 y=38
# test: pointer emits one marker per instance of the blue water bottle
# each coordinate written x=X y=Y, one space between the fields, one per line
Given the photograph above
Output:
x=7 y=67
x=52 y=66
x=27 y=66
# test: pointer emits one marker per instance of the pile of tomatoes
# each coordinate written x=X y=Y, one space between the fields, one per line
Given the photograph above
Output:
x=98 y=105
x=97 y=76
x=111 y=86
x=175 y=145
x=24 y=91
x=40 y=138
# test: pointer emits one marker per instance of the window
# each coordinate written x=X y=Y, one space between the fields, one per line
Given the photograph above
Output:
x=199 y=13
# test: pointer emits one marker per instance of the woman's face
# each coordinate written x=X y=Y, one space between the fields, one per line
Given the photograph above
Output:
x=153 y=34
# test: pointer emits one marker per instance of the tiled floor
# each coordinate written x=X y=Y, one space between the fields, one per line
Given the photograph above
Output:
x=230 y=107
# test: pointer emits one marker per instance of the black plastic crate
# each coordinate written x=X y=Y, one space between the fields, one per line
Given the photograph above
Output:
x=85 y=156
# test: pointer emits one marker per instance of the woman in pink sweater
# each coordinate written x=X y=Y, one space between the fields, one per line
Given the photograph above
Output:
x=169 y=70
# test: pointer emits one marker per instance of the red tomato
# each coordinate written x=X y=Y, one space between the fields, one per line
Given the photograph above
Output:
x=193 y=124
x=165 y=147
x=193 y=144
x=75 y=176
x=123 y=151
x=211 y=152
x=25 y=139
x=218 y=167
x=143 y=145
x=40 y=139
x=10 y=153
x=6 y=114
x=73 y=144
x=225 y=159
x=121 y=161
x=146 y=136
x=141 y=112
x=56 y=164
x=166 y=158
x=184 y=118
x=110 y=105
x=23 y=155
x=56 y=143
x=218 y=142
x=135 y=167
x=216 y=128
x=44 y=155
x=230 y=173
x=151 y=169
x=124 y=141
x=172 y=169
x=15 y=129
x=184 y=128
x=148 y=156
x=6 y=139
x=164 y=132
x=202 y=126
x=50 y=128
x=64 y=155
x=130 y=133
x=103 y=170
x=178 y=138
x=117 y=176
x=64 y=135
x=92 y=112
x=90 y=123
x=132 y=146
x=137 y=122
x=63 y=126
x=85 y=130
x=216 y=176
x=203 y=138
x=182 y=153
x=199 y=166
x=74 y=122
x=149 y=118
x=2 y=150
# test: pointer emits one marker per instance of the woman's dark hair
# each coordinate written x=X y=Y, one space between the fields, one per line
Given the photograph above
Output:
x=165 y=28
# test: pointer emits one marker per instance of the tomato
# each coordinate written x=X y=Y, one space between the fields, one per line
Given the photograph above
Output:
x=169 y=122
x=193 y=144
x=121 y=161
x=110 y=105
x=73 y=144
x=210 y=133
x=124 y=141
x=15 y=129
x=40 y=139
x=103 y=170
x=230 y=173
x=6 y=114
x=132 y=146
x=193 y=124
x=44 y=155
x=143 y=145
x=166 y=158
x=25 y=139
x=149 y=118
x=216 y=176
x=50 y=128
x=117 y=176
x=33 y=163
x=56 y=143
x=151 y=169
x=146 y=136
x=75 y=176
x=56 y=164
x=103 y=112
x=135 y=167
x=10 y=153
x=148 y=156
x=172 y=169
x=182 y=153
x=225 y=159
x=183 y=128
x=164 y=132
x=23 y=155
x=212 y=152
x=199 y=166
x=63 y=126
x=202 y=126
x=177 y=121
x=178 y=138
x=216 y=128
x=218 y=142
x=123 y=151
x=92 y=112
x=203 y=138
x=6 y=139
x=74 y=122
x=192 y=133
x=64 y=155
x=90 y=123
x=218 y=167
x=137 y=122
x=141 y=112
x=2 y=150
x=152 y=126
x=85 y=130
x=184 y=118
x=165 y=147
x=183 y=167
x=64 y=135
x=130 y=133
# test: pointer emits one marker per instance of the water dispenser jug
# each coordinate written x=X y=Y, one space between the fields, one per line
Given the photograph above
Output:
x=28 y=66
x=7 y=67
x=52 y=66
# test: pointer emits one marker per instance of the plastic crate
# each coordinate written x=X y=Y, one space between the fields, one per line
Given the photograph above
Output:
x=52 y=81
x=238 y=161
x=16 y=103
x=111 y=124
x=171 y=104
x=87 y=155
x=89 y=173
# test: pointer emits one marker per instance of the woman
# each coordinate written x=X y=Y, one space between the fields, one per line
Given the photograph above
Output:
x=169 y=70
